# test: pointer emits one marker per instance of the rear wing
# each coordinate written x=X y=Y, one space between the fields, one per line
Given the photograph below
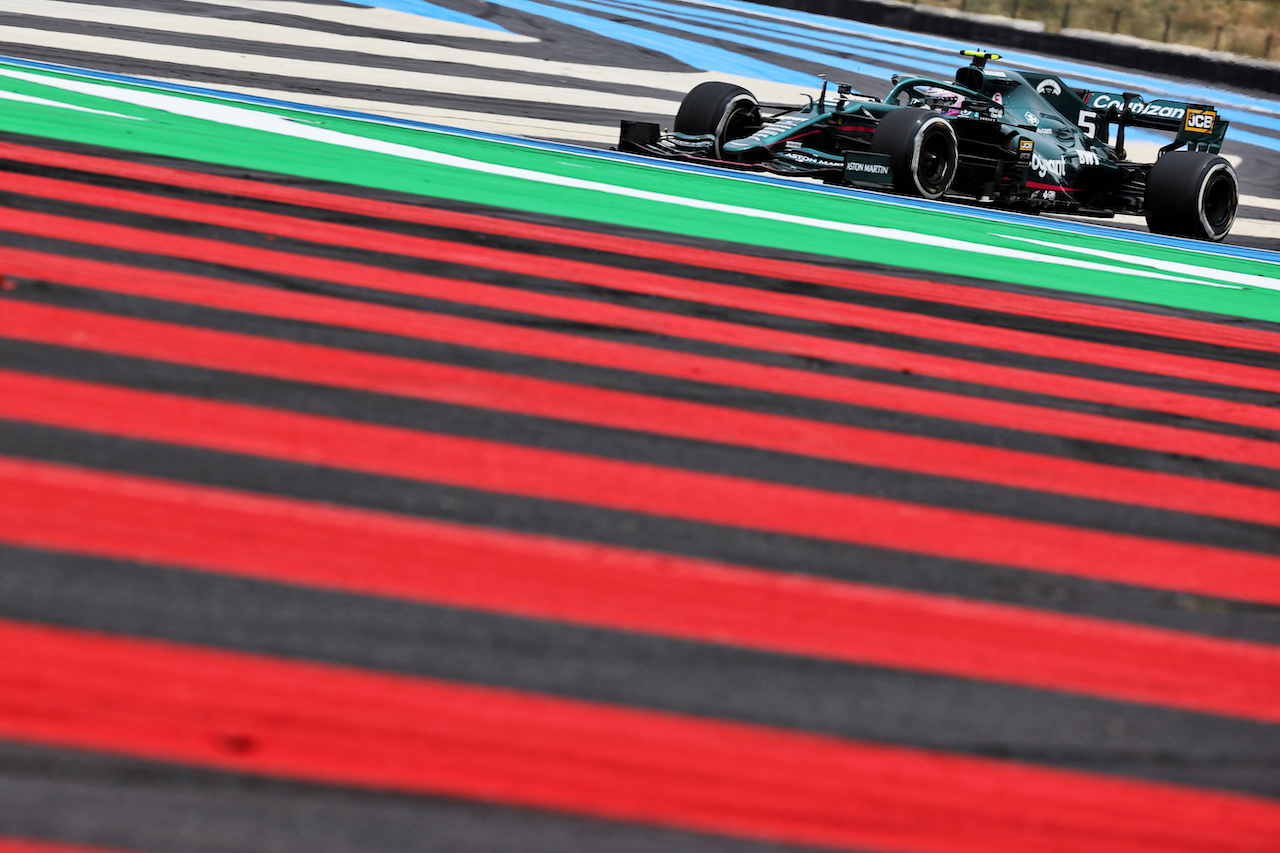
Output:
x=1197 y=127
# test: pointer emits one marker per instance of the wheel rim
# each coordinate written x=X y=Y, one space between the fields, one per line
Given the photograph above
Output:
x=741 y=119
x=1219 y=202
x=738 y=122
x=935 y=162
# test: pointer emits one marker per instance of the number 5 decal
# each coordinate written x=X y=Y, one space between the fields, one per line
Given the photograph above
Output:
x=1086 y=122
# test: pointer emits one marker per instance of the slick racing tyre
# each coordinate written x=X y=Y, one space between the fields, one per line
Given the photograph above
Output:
x=922 y=149
x=721 y=110
x=1192 y=194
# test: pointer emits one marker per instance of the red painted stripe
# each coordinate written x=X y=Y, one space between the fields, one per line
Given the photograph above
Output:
x=780 y=304
x=732 y=334
x=572 y=348
x=707 y=498
x=1036 y=185
x=349 y=727
x=1228 y=334
x=31 y=845
x=623 y=410
x=197 y=527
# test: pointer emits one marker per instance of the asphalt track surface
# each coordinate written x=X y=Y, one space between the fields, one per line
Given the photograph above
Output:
x=345 y=519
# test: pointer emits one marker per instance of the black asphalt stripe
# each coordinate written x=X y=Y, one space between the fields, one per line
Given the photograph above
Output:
x=985 y=355
x=39 y=291
x=128 y=804
x=550 y=44
x=743 y=249
x=658 y=265
x=555 y=41
x=233 y=47
x=284 y=87
x=851 y=295
x=746 y=399
x=646 y=448
x=123 y=803
x=651 y=672
x=754 y=548
x=695 y=347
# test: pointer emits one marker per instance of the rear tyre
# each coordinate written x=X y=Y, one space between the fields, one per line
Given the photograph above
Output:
x=1192 y=194
x=922 y=149
x=722 y=110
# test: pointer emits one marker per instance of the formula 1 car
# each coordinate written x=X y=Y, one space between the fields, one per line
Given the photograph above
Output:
x=1017 y=140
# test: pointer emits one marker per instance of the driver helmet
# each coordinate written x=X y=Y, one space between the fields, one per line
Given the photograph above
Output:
x=947 y=102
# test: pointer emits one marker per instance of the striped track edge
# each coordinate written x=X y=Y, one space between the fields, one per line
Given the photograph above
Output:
x=21 y=845
x=749 y=510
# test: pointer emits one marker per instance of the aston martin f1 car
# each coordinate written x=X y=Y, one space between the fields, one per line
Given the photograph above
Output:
x=1016 y=140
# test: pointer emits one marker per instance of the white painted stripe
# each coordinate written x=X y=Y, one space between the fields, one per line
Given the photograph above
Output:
x=270 y=123
x=673 y=81
x=1243 y=227
x=1176 y=267
x=562 y=131
x=45 y=102
x=359 y=16
x=338 y=72
x=1259 y=201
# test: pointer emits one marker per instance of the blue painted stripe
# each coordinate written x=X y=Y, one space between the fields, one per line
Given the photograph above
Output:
x=257 y=100
x=692 y=53
x=986 y=214
x=942 y=61
x=808 y=81
x=927 y=66
x=1178 y=89
x=922 y=60
x=431 y=10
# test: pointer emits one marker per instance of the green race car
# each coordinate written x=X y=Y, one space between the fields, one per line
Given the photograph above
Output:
x=1017 y=140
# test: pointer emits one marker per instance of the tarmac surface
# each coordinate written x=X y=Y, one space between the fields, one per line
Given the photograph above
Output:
x=345 y=519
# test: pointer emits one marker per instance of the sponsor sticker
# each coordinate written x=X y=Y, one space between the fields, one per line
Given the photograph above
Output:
x=1086 y=158
x=867 y=167
x=1026 y=144
x=1046 y=168
x=1200 y=120
x=1049 y=87
x=1138 y=108
x=809 y=159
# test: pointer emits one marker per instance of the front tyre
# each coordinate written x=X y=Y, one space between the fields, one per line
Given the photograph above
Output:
x=723 y=111
x=1192 y=194
x=922 y=149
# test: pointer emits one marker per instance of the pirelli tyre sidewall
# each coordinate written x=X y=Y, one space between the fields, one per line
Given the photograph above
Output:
x=1192 y=194
x=922 y=148
x=722 y=110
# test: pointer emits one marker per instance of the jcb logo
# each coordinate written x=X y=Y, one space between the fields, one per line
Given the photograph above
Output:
x=1200 y=121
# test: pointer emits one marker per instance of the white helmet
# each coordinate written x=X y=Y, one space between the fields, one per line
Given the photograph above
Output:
x=944 y=100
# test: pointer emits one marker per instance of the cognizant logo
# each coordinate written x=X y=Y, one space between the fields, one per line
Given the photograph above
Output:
x=1102 y=102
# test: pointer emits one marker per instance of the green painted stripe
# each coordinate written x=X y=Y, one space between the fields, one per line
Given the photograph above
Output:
x=368 y=153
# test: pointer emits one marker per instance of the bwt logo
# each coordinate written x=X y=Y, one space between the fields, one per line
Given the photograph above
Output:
x=1200 y=121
